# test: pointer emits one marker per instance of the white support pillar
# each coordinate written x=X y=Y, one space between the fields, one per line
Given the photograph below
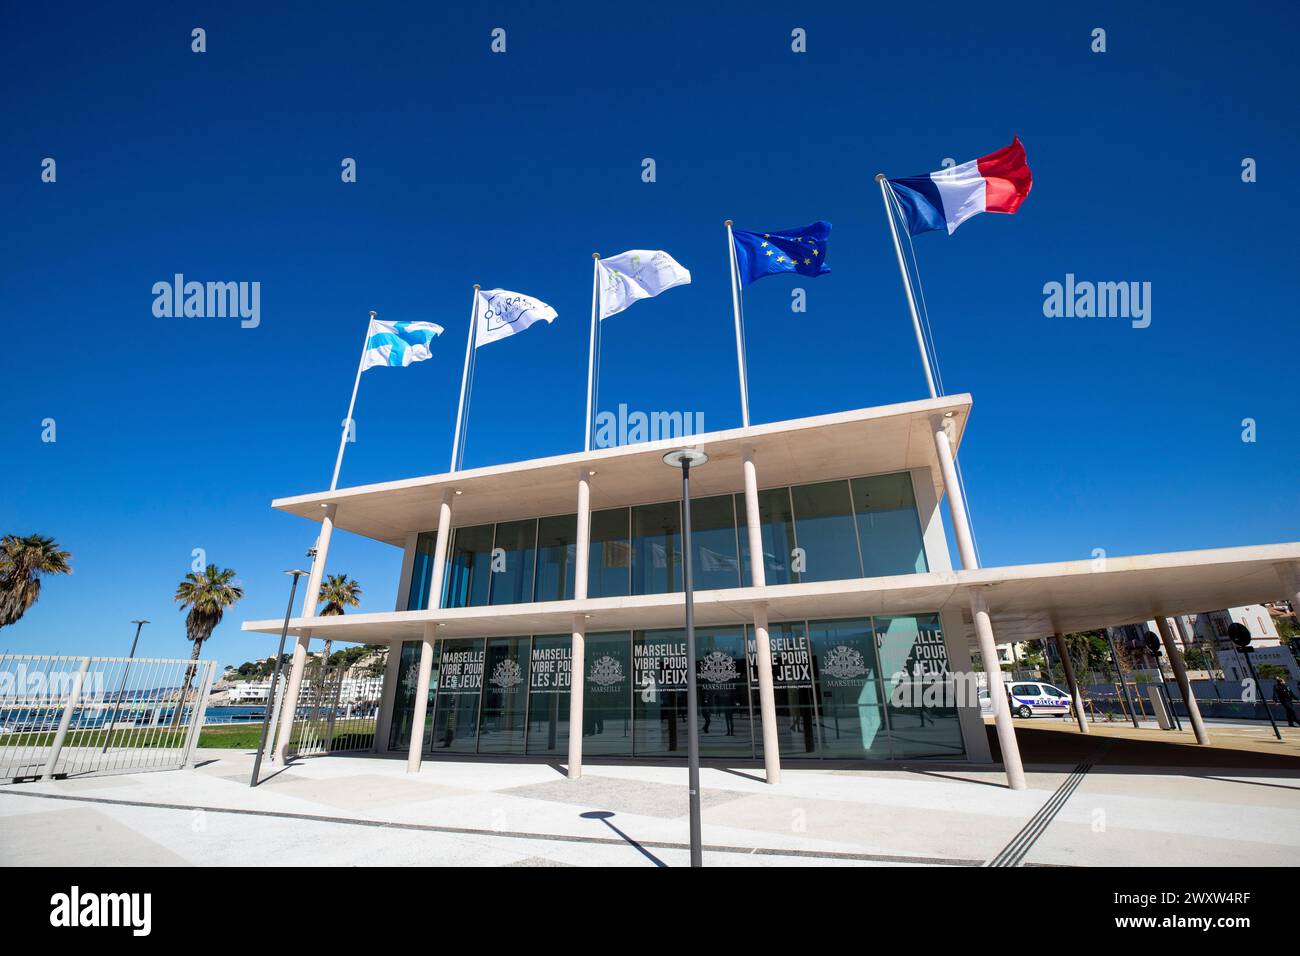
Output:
x=387 y=697
x=415 y=750
x=293 y=687
x=956 y=497
x=578 y=661
x=762 y=641
x=1180 y=673
x=979 y=608
x=310 y=600
x=1071 y=683
x=997 y=693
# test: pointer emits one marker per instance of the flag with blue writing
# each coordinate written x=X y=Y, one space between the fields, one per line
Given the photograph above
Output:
x=398 y=343
x=802 y=251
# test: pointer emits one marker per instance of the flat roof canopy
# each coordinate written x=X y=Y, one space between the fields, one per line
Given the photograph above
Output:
x=865 y=441
x=1026 y=601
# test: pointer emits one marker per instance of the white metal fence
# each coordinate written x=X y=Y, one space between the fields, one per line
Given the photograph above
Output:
x=324 y=723
x=76 y=716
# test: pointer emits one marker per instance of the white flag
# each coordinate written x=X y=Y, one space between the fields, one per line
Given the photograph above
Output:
x=502 y=314
x=636 y=274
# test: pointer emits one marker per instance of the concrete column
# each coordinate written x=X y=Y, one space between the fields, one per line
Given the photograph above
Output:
x=578 y=660
x=415 y=751
x=956 y=497
x=762 y=641
x=293 y=686
x=1071 y=683
x=384 y=722
x=979 y=608
x=310 y=601
x=1180 y=672
x=1001 y=706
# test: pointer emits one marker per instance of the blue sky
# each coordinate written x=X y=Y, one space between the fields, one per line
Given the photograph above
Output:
x=175 y=434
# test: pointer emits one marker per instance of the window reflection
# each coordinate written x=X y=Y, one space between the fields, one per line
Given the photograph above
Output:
x=854 y=688
x=824 y=531
x=713 y=542
x=610 y=567
x=460 y=684
x=657 y=548
x=792 y=686
x=556 y=554
x=607 y=694
x=888 y=526
x=470 y=566
x=512 y=556
x=776 y=525
x=842 y=529
x=920 y=696
x=548 y=694
x=844 y=662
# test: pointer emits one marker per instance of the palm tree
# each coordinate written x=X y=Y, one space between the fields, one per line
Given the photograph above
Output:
x=337 y=592
x=206 y=594
x=22 y=562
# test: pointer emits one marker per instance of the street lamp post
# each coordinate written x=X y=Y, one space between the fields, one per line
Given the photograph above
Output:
x=1153 y=645
x=275 y=677
x=1240 y=635
x=121 y=689
x=683 y=459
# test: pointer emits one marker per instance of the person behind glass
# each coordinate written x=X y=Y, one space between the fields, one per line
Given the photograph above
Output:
x=1284 y=696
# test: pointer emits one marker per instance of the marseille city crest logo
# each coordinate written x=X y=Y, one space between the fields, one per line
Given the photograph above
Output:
x=412 y=682
x=844 y=662
x=718 y=667
x=507 y=674
x=606 y=670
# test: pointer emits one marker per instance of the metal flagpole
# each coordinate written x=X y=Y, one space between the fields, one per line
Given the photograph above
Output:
x=907 y=283
x=740 y=344
x=591 y=350
x=347 y=422
x=464 y=377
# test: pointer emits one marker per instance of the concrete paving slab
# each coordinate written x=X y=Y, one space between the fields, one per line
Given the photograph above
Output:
x=76 y=836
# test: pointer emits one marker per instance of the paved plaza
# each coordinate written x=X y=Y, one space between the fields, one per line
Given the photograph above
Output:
x=1102 y=803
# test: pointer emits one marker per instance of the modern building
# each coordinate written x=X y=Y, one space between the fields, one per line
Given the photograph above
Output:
x=540 y=606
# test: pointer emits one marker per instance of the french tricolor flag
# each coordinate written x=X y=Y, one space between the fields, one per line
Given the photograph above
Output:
x=998 y=182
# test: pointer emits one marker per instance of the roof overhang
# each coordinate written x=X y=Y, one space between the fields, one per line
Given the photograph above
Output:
x=1026 y=601
x=864 y=441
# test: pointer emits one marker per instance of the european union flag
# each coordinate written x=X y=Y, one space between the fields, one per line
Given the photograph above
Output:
x=761 y=254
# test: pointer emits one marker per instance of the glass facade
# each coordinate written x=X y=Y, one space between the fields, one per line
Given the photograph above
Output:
x=657 y=548
x=557 y=555
x=825 y=537
x=827 y=531
x=609 y=571
x=776 y=524
x=889 y=530
x=469 y=567
x=864 y=688
x=549 y=678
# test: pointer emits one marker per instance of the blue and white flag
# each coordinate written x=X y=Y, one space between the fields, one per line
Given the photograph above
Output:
x=398 y=343
x=637 y=274
x=501 y=314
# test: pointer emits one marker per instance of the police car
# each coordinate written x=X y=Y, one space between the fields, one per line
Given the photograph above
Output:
x=1033 y=697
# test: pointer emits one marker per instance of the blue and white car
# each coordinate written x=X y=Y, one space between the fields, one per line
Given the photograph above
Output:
x=1029 y=698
